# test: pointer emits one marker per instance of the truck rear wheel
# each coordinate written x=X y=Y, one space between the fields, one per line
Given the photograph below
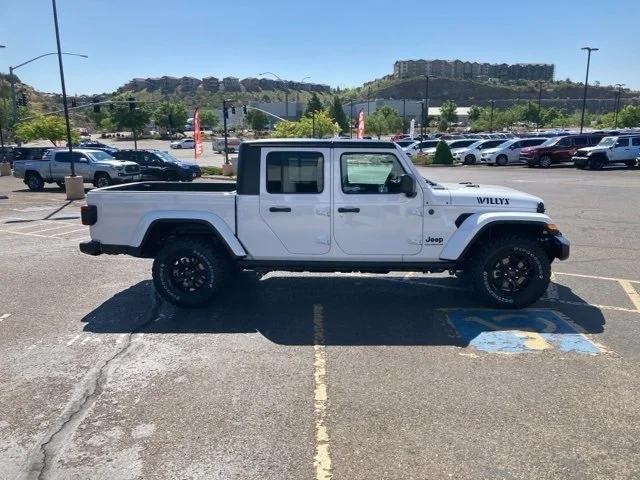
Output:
x=34 y=182
x=188 y=272
x=510 y=272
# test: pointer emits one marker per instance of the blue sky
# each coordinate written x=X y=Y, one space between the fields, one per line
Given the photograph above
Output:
x=341 y=43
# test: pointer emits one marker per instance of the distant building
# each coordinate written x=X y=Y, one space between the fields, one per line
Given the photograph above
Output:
x=466 y=70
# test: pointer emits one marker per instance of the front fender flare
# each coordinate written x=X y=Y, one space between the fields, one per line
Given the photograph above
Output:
x=476 y=224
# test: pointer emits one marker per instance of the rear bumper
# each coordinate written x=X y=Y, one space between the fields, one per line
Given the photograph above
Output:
x=95 y=248
x=560 y=247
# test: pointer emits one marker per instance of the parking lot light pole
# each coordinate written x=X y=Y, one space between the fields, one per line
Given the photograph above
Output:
x=586 y=84
x=286 y=92
x=492 y=102
x=425 y=111
x=618 y=99
x=351 y=118
x=539 y=107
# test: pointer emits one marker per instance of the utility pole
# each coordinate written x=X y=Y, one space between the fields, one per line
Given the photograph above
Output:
x=14 y=104
x=368 y=97
x=618 y=99
x=313 y=124
x=586 y=84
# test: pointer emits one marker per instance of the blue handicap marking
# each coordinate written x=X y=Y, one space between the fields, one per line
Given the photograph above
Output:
x=497 y=331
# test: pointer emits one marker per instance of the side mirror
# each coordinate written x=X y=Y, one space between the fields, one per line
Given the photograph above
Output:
x=408 y=185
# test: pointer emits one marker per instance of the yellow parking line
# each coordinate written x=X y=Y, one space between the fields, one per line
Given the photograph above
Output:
x=631 y=293
x=322 y=459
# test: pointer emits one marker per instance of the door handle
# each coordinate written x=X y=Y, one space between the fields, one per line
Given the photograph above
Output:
x=348 y=210
x=280 y=209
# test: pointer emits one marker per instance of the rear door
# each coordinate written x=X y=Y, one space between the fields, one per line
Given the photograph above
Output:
x=563 y=150
x=635 y=148
x=295 y=197
x=370 y=214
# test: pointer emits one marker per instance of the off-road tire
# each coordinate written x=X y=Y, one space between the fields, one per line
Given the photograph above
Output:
x=596 y=163
x=502 y=160
x=102 y=180
x=545 y=161
x=213 y=265
x=34 y=181
x=487 y=257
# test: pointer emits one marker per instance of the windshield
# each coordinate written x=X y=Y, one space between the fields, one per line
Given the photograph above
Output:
x=100 y=155
x=607 y=142
x=551 y=141
x=167 y=157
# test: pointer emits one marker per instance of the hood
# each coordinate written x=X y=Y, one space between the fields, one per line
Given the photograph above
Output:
x=493 y=197
x=591 y=149
x=116 y=163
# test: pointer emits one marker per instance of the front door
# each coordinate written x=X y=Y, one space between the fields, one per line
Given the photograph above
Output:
x=370 y=214
x=295 y=198
x=621 y=151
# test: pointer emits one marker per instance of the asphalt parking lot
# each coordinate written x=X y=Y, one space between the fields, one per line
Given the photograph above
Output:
x=343 y=376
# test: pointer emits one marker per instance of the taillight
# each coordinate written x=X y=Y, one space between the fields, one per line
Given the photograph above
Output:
x=89 y=214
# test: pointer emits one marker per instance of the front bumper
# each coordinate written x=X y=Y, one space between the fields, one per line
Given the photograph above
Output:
x=560 y=247
x=580 y=161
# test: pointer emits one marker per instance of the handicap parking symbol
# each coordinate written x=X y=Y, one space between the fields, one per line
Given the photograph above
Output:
x=497 y=331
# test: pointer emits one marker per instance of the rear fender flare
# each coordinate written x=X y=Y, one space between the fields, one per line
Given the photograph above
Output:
x=217 y=224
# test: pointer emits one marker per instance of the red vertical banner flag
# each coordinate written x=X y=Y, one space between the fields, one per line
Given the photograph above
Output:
x=197 y=135
x=360 y=134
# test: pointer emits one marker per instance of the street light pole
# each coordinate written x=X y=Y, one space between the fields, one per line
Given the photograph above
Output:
x=618 y=99
x=351 y=118
x=426 y=106
x=12 y=79
x=586 y=84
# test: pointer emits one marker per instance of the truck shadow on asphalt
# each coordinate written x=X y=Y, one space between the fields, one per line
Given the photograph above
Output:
x=365 y=310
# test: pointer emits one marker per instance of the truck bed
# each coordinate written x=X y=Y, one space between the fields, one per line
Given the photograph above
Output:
x=174 y=187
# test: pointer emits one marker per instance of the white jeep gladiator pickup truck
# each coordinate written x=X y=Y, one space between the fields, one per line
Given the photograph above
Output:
x=329 y=206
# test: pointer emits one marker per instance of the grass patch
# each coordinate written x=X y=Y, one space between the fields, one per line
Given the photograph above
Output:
x=211 y=170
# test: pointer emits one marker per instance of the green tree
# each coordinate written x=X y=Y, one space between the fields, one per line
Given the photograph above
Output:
x=49 y=127
x=383 y=121
x=257 y=120
x=125 y=119
x=171 y=115
x=474 y=113
x=448 y=111
x=443 y=154
x=313 y=105
x=337 y=112
x=321 y=122
x=209 y=118
x=629 y=116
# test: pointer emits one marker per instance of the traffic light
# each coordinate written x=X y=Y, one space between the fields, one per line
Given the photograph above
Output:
x=22 y=101
x=132 y=104
x=96 y=106
x=244 y=109
x=233 y=109
x=74 y=102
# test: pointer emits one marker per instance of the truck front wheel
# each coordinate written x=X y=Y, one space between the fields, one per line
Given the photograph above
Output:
x=511 y=272
x=188 y=272
x=102 y=180
x=34 y=182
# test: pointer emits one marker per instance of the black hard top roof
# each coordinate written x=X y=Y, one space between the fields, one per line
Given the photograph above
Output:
x=320 y=143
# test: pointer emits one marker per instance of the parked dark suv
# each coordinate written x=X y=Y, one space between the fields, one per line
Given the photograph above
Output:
x=159 y=165
x=558 y=149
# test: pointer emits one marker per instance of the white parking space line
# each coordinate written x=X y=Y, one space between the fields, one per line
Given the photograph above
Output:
x=71 y=231
x=631 y=292
x=596 y=277
x=4 y=316
x=321 y=459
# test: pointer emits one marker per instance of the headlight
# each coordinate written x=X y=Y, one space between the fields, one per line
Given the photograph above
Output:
x=120 y=168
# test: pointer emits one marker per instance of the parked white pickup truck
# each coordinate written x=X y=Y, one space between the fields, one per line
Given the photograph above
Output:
x=327 y=205
x=94 y=166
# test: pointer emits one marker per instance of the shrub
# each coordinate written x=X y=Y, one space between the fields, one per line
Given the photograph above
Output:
x=443 y=154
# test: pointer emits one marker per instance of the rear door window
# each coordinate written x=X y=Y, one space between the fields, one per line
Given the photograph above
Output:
x=622 y=142
x=580 y=141
x=635 y=141
x=295 y=172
